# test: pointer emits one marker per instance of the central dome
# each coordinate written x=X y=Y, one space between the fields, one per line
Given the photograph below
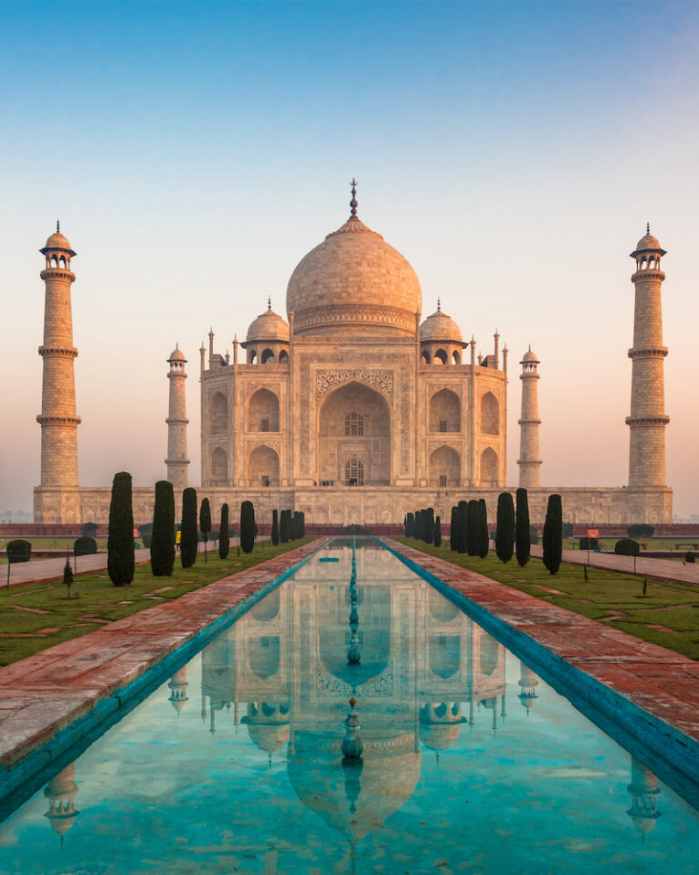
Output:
x=354 y=281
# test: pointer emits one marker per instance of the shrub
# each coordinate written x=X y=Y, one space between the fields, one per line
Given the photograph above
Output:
x=589 y=544
x=568 y=530
x=533 y=535
x=89 y=530
x=68 y=574
x=472 y=527
x=147 y=539
x=145 y=529
x=284 y=527
x=275 y=527
x=483 y=537
x=302 y=517
x=409 y=525
x=627 y=547
x=188 y=532
x=689 y=556
x=523 y=537
x=462 y=528
x=205 y=522
x=224 y=540
x=437 y=540
x=247 y=526
x=428 y=533
x=120 y=543
x=505 y=532
x=162 y=540
x=18 y=551
x=553 y=534
x=84 y=546
x=640 y=530
x=453 y=527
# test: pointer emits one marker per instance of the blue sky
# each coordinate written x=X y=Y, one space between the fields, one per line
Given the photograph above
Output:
x=194 y=152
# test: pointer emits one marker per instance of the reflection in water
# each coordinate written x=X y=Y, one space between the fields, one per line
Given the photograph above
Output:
x=424 y=671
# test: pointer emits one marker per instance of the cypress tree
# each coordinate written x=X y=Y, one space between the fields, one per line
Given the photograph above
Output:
x=505 y=532
x=224 y=540
x=553 y=534
x=68 y=574
x=438 y=532
x=473 y=518
x=429 y=526
x=303 y=523
x=284 y=527
x=205 y=522
x=120 y=560
x=522 y=532
x=188 y=531
x=410 y=525
x=296 y=525
x=453 y=528
x=483 y=535
x=162 y=545
x=275 y=527
x=247 y=527
x=462 y=529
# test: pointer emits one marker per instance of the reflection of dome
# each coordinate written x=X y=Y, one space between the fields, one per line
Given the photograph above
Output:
x=60 y=792
x=440 y=725
x=440 y=327
x=268 y=726
x=354 y=278
x=268 y=326
x=387 y=779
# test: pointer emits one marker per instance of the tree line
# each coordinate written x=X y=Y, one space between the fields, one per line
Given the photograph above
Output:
x=513 y=536
x=196 y=521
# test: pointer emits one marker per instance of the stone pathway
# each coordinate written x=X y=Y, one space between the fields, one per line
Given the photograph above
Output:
x=46 y=692
x=658 y=569
x=662 y=683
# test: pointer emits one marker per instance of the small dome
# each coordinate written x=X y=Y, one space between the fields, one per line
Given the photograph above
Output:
x=177 y=355
x=648 y=242
x=529 y=356
x=57 y=241
x=269 y=326
x=439 y=326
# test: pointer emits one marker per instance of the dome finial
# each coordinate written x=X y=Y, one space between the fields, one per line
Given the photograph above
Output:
x=647 y=227
x=58 y=226
x=269 y=302
x=353 y=202
x=439 y=305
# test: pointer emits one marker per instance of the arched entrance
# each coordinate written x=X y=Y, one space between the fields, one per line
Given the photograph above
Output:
x=354 y=437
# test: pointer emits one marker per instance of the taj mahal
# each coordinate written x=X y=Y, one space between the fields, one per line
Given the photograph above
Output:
x=354 y=409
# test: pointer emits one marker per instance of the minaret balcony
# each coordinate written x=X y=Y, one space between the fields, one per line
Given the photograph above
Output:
x=648 y=352
x=66 y=351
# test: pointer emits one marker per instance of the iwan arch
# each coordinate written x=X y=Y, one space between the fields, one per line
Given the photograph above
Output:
x=356 y=410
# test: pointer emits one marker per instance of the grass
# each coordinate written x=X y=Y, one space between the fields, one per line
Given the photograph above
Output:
x=36 y=616
x=614 y=598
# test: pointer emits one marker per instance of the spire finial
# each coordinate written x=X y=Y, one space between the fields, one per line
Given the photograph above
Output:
x=353 y=202
x=647 y=227
x=269 y=302
x=439 y=305
x=177 y=345
x=58 y=227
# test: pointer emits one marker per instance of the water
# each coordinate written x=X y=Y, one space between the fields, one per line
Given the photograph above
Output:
x=470 y=762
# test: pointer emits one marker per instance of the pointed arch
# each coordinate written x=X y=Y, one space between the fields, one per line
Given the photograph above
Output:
x=263 y=467
x=445 y=411
x=219 y=467
x=445 y=468
x=490 y=414
x=218 y=418
x=263 y=411
x=489 y=467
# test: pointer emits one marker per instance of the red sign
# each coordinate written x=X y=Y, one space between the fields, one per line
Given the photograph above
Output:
x=593 y=533
x=135 y=533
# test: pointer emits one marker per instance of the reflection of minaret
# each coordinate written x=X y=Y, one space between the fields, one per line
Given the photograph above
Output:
x=178 y=689
x=268 y=726
x=60 y=792
x=528 y=682
x=644 y=792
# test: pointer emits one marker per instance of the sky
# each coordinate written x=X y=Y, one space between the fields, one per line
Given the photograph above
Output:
x=195 y=152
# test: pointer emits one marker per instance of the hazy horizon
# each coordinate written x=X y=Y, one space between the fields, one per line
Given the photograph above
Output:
x=195 y=152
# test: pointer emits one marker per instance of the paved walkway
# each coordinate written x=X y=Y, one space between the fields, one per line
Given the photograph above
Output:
x=659 y=569
x=46 y=692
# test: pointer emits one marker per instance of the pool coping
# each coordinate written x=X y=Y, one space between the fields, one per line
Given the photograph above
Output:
x=51 y=700
x=643 y=695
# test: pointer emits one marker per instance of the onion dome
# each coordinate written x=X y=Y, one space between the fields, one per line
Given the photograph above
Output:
x=268 y=326
x=57 y=241
x=648 y=243
x=354 y=280
x=440 y=327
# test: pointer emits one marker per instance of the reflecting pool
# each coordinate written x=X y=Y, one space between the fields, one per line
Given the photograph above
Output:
x=469 y=762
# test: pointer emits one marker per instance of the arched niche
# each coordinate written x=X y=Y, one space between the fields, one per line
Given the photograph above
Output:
x=263 y=411
x=264 y=656
x=445 y=655
x=218 y=418
x=489 y=467
x=489 y=654
x=263 y=467
x=441 y=609
x=283 y=357
x=425 y=357
x=445 y=411
x=445 y=468
x=371 y=447
x=490 y=414
x=219 y=466
x=267 y=357
x=440 y=357
x=456 y=357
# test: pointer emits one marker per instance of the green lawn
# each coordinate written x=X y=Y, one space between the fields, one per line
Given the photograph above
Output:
x=36 y=616
x=667 y=615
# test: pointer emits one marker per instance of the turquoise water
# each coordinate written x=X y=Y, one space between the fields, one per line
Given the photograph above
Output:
x=470 y=762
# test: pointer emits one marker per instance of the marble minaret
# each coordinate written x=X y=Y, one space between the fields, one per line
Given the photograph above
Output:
x=529 y=461
x=177 y=421
x=59 y=424
x=648 y=419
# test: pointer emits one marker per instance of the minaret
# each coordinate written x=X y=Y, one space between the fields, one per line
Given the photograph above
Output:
x=648 y=419
x=177 y=421
x=59 y=424
x=529 y=461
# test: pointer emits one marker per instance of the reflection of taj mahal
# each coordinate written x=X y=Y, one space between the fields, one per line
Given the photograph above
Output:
x=356 y=410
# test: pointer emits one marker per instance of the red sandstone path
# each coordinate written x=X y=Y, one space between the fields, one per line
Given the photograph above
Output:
x=45 y=693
